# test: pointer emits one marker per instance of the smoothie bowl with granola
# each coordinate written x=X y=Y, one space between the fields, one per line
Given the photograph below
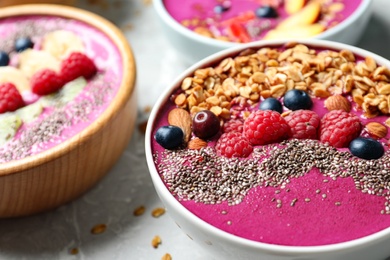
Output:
x=67 y=107
x=278 y=150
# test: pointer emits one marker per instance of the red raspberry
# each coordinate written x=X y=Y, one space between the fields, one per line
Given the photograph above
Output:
x=76 y=65
x=233 y=125
x=233 y=144
x=45 y=82
x=265 y=127
x=303 y=123
x=339 y=128
x=10 y=98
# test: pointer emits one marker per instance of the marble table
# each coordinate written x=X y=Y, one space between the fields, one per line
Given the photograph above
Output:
x=65 y=233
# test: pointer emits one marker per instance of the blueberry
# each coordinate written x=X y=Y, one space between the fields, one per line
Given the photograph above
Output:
x=219 y=9
x=271 y=104
x=205 y=124
x=366 y=148
x=266 y=11
x=22 y=44
x=297 y=99
x=4 y=58
x=169 y=137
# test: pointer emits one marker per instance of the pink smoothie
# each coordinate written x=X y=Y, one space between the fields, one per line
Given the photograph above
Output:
x=196 y=14
x=65 y=121
x=317 y=205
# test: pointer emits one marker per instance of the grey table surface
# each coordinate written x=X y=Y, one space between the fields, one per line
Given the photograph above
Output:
x=127 y=186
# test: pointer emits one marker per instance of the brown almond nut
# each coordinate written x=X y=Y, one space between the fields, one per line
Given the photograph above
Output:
x=338 y=102
x=376 y=129
x=181 y=118
x=196 y=144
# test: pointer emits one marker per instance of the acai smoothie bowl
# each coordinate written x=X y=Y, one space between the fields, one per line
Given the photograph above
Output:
x=278 y=150
x=67 y=104
x=205 y=27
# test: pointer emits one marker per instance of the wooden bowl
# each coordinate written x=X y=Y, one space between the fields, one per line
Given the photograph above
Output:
x=56 y=176
x=4 y=3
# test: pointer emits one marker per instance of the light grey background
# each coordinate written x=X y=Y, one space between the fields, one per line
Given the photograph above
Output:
x=128 y=185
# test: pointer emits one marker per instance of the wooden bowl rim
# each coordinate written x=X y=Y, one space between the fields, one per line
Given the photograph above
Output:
x=124 y=93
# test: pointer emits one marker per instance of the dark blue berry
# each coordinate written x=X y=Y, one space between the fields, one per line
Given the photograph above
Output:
x=219 y=9
x=271 y=104
x=366 y=148
x=266 y=11
x=297 y=99
x=4 y=58
x=169 y=137
x=22 y=44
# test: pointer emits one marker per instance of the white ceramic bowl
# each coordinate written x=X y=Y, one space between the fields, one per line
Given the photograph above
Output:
x=228 y=246
x=194 y=47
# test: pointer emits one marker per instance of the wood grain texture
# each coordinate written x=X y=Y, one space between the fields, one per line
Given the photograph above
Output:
x=61 y=174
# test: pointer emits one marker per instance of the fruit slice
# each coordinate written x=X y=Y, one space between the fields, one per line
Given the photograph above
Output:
x=30 y=112
x=62 y=42
x=32 y=61
x=9 y=125
x=14 y=76
x=293 y=6
x=308 y=15
x=66 y=94
x=305 y=31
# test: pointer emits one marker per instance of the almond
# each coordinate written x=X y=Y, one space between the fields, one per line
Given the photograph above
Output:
x=181 y=118
x=376 y=129
x=196 y=144
x=338 y=102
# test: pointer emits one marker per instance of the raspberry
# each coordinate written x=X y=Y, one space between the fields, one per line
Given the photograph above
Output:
x=339 y=128
x=303 y=123
x=76 y=65
x=233 y=125
x=265 y=127
x=233 y=144
x=10 y=98
x=45 y=82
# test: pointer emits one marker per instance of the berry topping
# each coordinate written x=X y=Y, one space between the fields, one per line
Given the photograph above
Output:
x=303 y=124
x=265 y=127
x=10 y=98
x=76 y=65
x=45 y=82
x=221 y=8
x=339 y=128
x=4 y=58
x=366 y=148
x=266 y=11
x=271 y=104
x=233 y=144
x=22 y=44
x=169 y=137
x=296 y=99
x=233 y=125
x=205 y=124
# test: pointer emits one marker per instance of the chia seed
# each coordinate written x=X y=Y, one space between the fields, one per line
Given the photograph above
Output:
x=203 y=176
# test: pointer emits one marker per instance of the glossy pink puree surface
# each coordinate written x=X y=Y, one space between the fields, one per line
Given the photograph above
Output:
x=324 y=212
x=93 y=99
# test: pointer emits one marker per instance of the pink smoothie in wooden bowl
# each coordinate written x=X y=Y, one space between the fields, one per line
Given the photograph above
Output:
x=70 y=108
x=291 y=158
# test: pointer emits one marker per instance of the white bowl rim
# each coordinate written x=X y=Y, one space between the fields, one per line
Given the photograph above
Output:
x=163 y=13
x=223 y=235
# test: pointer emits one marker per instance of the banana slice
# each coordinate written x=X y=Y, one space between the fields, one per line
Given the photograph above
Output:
x=9 y=125
x=61 y=42
x=30 y=112
x=31 y=61
x=14 y=76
